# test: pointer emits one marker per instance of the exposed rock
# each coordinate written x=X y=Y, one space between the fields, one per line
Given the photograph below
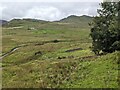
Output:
x=55 y=41
x=61 y=57
x=71 y=50
x=38 y=53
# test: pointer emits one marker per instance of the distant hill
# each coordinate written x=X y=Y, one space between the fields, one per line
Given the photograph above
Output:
x=2 y=22
x=77 y=19
x=24 y=21
x=70 y=21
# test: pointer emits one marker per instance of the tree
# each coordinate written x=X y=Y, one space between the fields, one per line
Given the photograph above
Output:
x=105 y=29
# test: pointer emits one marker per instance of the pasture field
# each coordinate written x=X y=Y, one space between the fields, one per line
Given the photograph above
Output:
x=54 y=55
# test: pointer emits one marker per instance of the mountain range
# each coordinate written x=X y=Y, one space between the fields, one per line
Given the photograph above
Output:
x=72 y=19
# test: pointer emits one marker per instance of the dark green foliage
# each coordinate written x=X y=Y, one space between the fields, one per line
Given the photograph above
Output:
x=105 y=31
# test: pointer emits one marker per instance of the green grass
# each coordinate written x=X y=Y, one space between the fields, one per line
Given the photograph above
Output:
x=88 y=73
x=54 y=67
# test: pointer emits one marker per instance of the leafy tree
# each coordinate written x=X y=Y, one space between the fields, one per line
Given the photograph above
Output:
x=105 y=29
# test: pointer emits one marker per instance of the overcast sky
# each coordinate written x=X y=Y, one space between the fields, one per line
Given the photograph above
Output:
x=49 y=11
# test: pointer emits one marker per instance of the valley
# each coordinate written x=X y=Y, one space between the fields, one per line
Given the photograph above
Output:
x=44 y=54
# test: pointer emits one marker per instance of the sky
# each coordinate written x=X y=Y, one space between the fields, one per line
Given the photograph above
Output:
x=47 y=10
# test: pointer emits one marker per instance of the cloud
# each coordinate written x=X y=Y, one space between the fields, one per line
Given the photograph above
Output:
x=47 y=10
x=52 y=0
x=44 y=13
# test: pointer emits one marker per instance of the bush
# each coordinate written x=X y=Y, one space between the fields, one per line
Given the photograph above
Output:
x=105 y=30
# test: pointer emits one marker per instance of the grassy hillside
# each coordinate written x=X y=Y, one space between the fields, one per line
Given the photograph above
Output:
x=101 y=72
x=54 y=54
x=78 y=19
x=81 y=21
x=22 y=22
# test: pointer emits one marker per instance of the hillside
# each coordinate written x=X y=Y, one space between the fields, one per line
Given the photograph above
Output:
x=77 y=19
x=42 y=54
x=2 y=22
x=71 y=21
x=22 y=22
